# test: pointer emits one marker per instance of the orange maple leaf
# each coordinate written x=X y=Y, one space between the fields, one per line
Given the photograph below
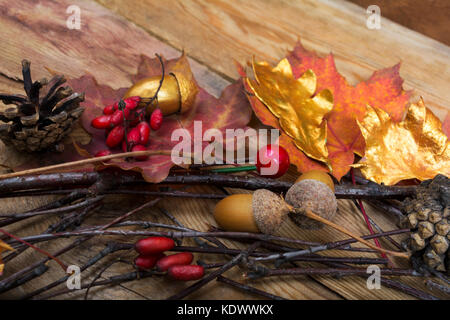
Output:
x=446 y=125
x=383 y=90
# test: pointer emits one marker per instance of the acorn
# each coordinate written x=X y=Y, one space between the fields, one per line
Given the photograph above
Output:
x=313 y=190
x=263 y=211
x=177 y=93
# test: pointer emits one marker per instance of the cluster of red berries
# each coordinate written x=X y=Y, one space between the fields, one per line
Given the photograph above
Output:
x=126 y=126
x=178 y=266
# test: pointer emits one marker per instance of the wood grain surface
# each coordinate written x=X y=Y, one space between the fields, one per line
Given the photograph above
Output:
x=429 y=17
x=113 y=35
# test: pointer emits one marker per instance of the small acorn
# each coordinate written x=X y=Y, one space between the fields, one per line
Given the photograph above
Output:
x=263 y=211
x=177 y=93
x=314 y=190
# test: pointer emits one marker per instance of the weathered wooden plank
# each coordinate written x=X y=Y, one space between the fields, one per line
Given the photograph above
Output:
x=218 y=32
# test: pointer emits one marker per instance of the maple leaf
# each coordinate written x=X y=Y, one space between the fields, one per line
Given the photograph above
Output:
x=413 y=148
x=3 y=247
x=230 y=111
x=446 y=125
x=383 y=90
x=300 y=115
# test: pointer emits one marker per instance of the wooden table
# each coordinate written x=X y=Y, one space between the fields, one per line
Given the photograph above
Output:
x=213 y=33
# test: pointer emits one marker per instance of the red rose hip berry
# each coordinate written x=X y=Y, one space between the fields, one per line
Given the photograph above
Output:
x=101 y=122
x=154 y=245
x=156 y=119
x=108 y=110
x=115 y=136
x=132 y=102
x=103 y=153
x=139 y=148
x=186 y=273
x=147 y=262
x=183 y=258
x=272 y=161
x=144 y=132
x=133 y=137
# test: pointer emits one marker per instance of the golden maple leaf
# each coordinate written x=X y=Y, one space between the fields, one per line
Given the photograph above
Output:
x=300 y=115
x=416 y=147
x=3 y=247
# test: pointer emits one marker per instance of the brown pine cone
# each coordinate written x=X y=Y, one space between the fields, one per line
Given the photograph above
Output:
x=41 y=118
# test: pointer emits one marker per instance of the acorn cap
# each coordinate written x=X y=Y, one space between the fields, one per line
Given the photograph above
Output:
x=269 y=210
x=315 y=196
x=188 y=91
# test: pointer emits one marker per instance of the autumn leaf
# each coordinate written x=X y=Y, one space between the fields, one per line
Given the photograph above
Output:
x=3 y=247
x=300 y=115
x=383 y=90
x=413 y=148
x=446 y=125
x=230 y=111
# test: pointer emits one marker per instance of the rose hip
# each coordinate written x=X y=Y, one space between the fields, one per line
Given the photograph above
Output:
x=186 y=273
x=132 y=102
x=115 y=136
x=103 y=153
x=140 y=148
x=144 y=132
x=101 y=122
x=156 y=119
x=183 y=258
x=108 y=110
x=147 y=262
x=117 y=116
x=133 y=137
x=154 y=245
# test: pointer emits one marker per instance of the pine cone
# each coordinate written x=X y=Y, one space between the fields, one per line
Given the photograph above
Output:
x=428 y=215
x=43 y=117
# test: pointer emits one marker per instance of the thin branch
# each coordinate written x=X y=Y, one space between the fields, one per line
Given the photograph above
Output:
x=233 y=262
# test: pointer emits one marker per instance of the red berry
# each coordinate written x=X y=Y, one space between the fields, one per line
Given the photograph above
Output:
x=108 y=110
x=132 y=102
x=156 y=119
x=103 y=153
x=133 y=137
x=144 y=131
x=117 y=116
x=147 y=262
x=124 y=146
x=154 y=245
x=140 y=148
x=115 y=137
x=186 y=273
x=101 y=122
x=275 y=162
x=178 y=259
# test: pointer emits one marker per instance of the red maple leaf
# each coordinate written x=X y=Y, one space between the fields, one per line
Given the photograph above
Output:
x=383 y=90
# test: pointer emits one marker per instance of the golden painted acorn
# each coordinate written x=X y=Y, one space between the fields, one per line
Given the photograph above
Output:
x=177 y=93
x=313 y=190
x=263 y=211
